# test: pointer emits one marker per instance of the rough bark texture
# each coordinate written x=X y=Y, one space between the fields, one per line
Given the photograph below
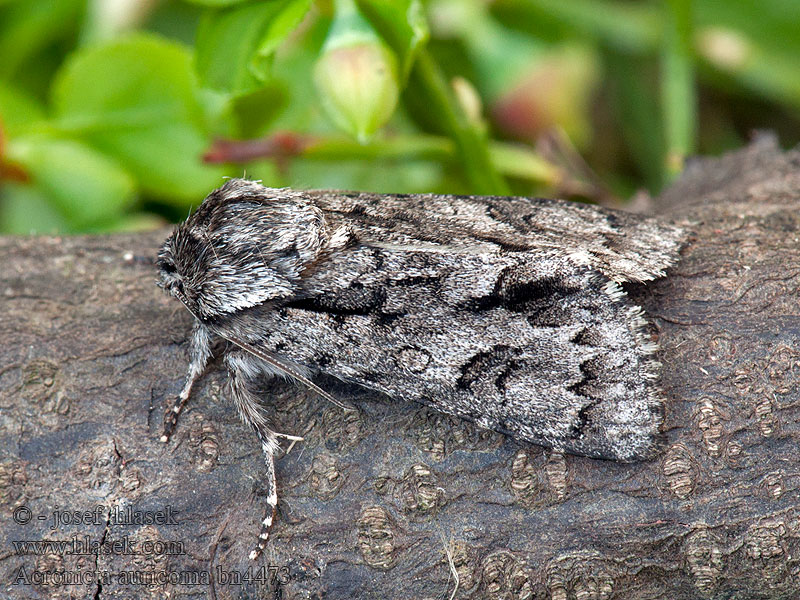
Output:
x=372 y=502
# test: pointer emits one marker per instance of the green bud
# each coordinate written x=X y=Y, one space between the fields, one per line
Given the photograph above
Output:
x=356 y=75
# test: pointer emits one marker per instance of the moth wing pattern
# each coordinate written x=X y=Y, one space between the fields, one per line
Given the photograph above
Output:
x=547 y=353
x=622 y=246
x=501 y=310
x=504 y=311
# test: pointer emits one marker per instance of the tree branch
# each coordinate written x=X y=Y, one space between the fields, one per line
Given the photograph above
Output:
x=382 y=502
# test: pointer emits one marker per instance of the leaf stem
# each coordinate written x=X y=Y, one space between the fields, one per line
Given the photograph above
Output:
x=677 y=87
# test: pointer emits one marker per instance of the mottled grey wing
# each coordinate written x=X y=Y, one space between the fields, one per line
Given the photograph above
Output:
x=621 y=246
x=523 y=342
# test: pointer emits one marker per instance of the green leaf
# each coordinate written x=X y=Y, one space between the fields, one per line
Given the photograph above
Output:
x=252 y=113
x=626 y=26
x=26 y=210
x=753 y=43
x=217 y=3
x=84 y=185
x=135 y=99
x=26 y=27
x=402 y=24
x=294 y=69
x=17 y=111
x=636 y=108
x=286 y=20
x=234 y=46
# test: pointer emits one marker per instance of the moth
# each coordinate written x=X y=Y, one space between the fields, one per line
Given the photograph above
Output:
x=506 y=311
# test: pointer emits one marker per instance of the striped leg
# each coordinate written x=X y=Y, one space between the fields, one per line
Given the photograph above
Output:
x=200 y=353
x=243 y=368
x=272 y=499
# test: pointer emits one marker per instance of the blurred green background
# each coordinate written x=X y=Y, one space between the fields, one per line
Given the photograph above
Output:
x=123 y=114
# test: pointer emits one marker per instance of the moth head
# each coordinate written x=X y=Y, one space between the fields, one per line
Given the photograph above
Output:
x=244 y=246
x=173 y=273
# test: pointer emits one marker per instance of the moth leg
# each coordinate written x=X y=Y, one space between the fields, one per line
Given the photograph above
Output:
x=200 y=353
x=243 y=368
x=293 y=439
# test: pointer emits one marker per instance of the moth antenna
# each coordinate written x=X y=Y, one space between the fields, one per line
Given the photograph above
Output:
x=291 y=372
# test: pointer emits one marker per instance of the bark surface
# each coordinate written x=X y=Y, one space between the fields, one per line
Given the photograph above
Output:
x=392 y=500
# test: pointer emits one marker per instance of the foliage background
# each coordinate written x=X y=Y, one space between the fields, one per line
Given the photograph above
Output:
x=122 y=114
